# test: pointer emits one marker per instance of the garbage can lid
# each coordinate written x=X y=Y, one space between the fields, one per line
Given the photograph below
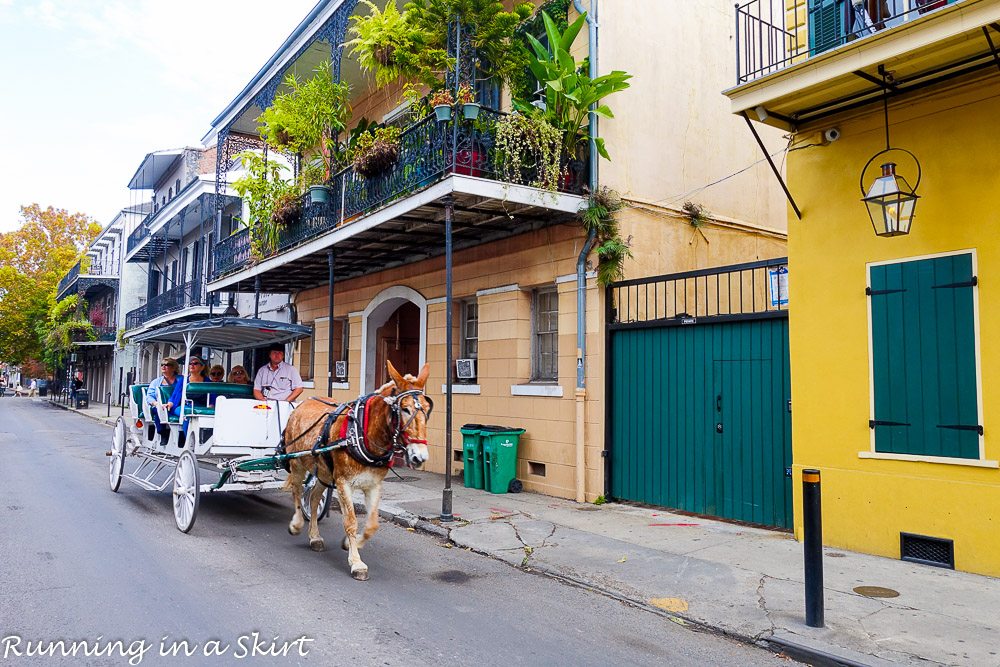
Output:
x=472 y=427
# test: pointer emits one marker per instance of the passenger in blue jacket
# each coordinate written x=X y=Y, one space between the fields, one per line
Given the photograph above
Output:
x=169 y=377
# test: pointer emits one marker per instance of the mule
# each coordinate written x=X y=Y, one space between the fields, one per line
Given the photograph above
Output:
x=396 y=422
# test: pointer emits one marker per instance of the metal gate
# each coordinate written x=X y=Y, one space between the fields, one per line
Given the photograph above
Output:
x=698 y=392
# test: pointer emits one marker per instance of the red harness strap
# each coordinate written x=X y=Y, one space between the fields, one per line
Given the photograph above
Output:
x=364 y=426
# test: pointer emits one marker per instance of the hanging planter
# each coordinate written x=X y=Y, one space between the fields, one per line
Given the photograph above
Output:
x=467 y=98
x=470 y=111
x=443 y=112
x=319 y=194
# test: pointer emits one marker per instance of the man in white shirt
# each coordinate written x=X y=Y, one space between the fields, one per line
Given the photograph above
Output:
x=277 y=380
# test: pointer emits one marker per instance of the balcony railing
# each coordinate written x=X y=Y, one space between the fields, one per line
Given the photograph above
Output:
x=105 y=334
x=771 y=36
x=428 y=151
x=69 y=278
x=183 y=296
x=138 y=235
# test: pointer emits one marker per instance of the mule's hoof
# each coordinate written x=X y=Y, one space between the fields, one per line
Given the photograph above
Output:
x=345 y=545
x=360 y=575
x=292 y=530
x=317 y=545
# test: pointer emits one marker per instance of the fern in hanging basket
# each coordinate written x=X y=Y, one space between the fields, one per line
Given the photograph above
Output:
x=377 y=152
x=287 y=209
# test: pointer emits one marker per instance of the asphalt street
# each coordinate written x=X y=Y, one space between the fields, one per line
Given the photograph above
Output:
x=80 y=563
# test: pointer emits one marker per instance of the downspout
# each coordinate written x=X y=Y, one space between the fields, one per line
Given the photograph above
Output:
x=581 y=276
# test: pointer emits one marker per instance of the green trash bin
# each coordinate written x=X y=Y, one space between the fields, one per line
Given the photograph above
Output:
x=500 y=458
x=472 y=455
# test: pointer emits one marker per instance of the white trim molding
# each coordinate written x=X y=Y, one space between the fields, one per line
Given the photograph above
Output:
x=946 y=460
x=498 y=290
x=535 y=389
x=377 y=313
x=461 y=389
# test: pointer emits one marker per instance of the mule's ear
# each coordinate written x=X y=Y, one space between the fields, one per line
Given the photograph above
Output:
x=394 y=374
x=424 y=373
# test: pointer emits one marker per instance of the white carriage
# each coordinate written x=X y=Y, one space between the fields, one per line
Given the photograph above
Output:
x=221 y=432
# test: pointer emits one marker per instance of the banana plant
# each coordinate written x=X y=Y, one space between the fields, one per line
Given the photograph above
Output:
x=570 y=94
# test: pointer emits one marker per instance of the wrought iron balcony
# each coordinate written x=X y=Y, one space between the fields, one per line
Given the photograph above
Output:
x=428 y=152
x=68 y=280
x=771 y=36
x=138 y=235
x=105 y=334
x=186 y=295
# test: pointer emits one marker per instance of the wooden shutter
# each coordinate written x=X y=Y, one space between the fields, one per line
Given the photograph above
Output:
x=924 y=357
x=827 y=24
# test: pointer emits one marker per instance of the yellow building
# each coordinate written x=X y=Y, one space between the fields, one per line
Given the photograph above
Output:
x=890 y=335
x=521 y=259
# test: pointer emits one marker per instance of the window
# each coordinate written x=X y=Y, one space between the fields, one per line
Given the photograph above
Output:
x=470 y=330
x=177 y=186
x=923 y=357
x=170 y=193
x=341 y=345
x=304 y=355
x=545 y=336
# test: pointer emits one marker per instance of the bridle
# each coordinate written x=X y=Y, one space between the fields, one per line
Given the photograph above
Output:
x=401 y=437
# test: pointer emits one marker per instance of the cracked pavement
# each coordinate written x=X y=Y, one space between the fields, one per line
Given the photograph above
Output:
x=740 y=581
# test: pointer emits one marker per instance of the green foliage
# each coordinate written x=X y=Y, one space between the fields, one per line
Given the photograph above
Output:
x=600 y=217
x=569 y=90
x=528 y=150
x=391 y=46
x=376 y=151
x=65 y=326
x=33 y=258
x=263 y=189
x=492 y=26
x=522 y=84
x=412 y=44
x=600 y=500
x=308 y=117
x=697 y=214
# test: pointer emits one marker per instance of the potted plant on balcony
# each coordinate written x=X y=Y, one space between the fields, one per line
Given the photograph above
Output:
x=377 y=151
x=467 y=98
x=441 y=101
x=569 y=90
x=528 y=150
x=263 y=188
x=306 y=120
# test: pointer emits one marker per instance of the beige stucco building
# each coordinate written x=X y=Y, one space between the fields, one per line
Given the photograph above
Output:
x=515 y=290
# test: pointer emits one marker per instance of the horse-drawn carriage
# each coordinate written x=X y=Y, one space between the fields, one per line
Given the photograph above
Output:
x=220 y=426
x=252 y=445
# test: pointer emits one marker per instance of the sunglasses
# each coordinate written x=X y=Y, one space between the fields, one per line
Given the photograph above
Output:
x=216 y=375
x=195 y=363
x=238 y=373
x=164 y=365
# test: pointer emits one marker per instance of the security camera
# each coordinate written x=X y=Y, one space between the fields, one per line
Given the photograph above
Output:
x=831 y=134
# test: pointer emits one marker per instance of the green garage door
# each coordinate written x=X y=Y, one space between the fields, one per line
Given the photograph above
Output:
x=700 y=418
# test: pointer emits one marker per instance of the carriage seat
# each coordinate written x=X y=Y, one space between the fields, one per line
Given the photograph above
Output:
x=201 y=392
x=139 y=396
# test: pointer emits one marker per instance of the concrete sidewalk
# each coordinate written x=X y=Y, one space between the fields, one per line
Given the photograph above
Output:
x=96 y=411
x=741 y=581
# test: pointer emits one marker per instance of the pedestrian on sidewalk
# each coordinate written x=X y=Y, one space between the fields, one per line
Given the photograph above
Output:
x=33 y=388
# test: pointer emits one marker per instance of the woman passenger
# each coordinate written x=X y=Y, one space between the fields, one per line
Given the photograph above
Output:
x=169 y=377
x=217 y=374
x=239 y=375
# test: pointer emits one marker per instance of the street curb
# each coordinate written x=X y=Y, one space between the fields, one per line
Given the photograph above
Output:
x=99 y=420
x=806 y=651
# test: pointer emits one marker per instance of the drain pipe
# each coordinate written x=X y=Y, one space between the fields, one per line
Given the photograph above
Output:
x=581 y=277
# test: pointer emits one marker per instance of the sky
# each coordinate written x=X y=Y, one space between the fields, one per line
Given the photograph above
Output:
x=90 y=86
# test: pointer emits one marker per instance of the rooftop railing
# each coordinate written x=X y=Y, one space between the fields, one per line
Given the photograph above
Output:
x=772 y=35
x=69 y=278
x=428 y=152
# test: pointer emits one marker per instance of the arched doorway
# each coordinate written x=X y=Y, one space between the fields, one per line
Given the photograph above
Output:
x=394 y=328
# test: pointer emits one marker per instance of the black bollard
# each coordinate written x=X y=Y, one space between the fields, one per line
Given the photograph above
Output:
x=812 y=543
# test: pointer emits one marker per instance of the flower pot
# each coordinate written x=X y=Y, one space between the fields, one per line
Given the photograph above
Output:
x=471 y=111
x=443 y=112
x=319 y=194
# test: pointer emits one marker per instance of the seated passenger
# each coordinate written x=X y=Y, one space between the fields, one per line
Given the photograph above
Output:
x=217 y=374
x=239 y=375
x=168 y=378
x=196 y=370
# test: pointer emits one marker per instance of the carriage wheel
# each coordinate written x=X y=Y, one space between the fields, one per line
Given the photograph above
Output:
x=118 y=446
x=324 y=503
x=186 y=491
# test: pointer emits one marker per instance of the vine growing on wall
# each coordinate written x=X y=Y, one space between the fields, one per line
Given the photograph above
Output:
x=599 y=216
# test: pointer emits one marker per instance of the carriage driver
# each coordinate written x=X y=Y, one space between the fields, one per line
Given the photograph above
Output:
x=277 y=380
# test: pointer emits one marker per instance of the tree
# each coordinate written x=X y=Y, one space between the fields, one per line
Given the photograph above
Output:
x=33 y=258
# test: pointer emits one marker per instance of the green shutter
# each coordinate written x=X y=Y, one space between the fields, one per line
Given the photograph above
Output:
x=924 y=357
x=826 y=24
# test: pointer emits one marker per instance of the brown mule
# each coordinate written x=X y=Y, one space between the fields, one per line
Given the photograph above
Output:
x=396 y=420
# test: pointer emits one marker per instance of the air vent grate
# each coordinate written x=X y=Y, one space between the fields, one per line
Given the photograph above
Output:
x=935 y=551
